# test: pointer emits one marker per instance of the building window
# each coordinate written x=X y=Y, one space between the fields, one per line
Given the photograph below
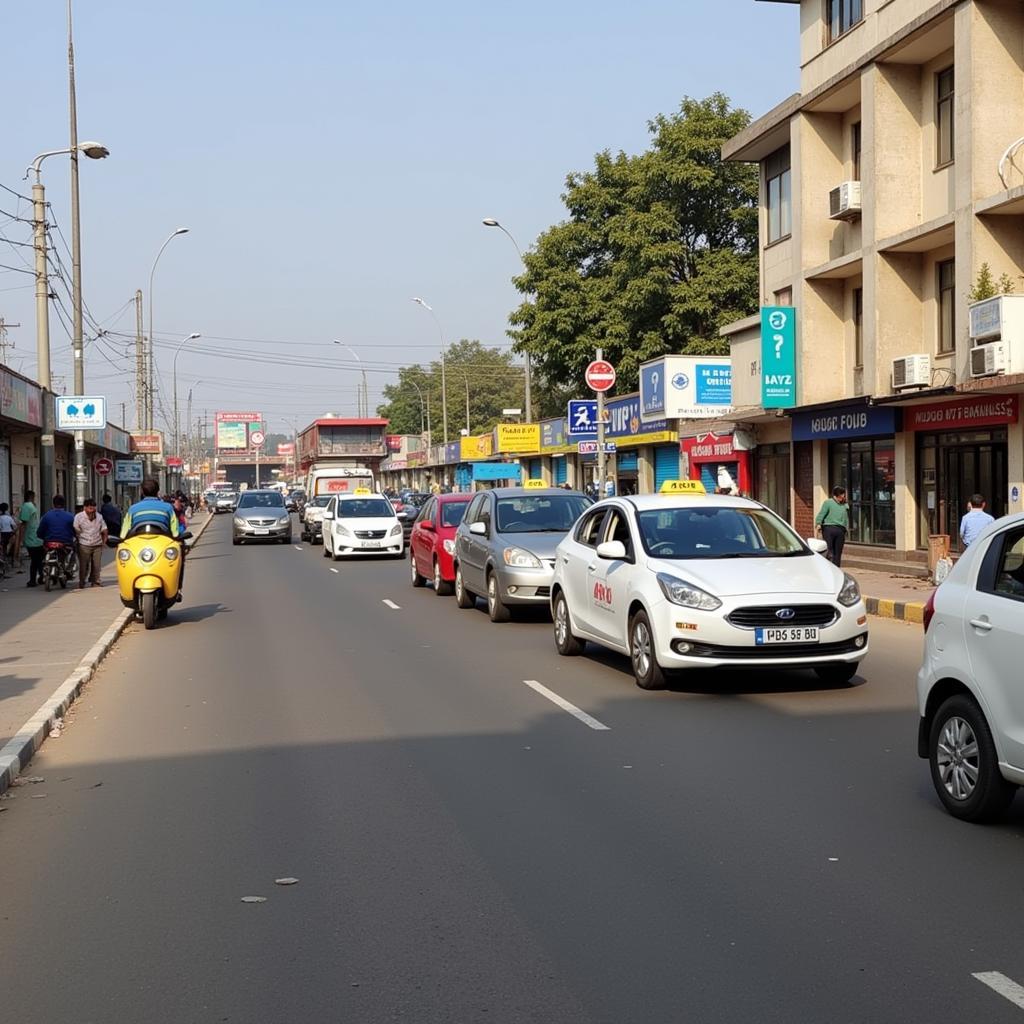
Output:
x=784 y=297
x=780 y=200
x=858 y=327
x=944 y=134
x=855 y=150
x=842 y=16
x=867 y=469
x=947 y=295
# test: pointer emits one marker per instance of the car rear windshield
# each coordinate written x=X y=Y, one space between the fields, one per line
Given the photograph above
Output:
x=365 y=508
x=269 y=500
x=453 y=511
x=549 y=513
x=694 y=532
x=321 y=501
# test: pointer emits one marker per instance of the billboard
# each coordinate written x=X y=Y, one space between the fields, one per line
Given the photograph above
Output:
x=286 y=449
x=232 y=430
x=478 y=447
x=147 y=444
x=518 y=437
x=685 y=387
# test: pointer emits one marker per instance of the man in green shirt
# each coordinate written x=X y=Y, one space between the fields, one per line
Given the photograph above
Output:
x=832 y=523
x=29 y=516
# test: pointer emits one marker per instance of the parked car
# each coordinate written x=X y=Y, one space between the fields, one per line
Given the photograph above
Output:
x=361 y=524
x=432 y=542
x=312 y=514
x=704 y=581
x=261 y=515
x=225 y=501
x=969 y=689
x=505 y=546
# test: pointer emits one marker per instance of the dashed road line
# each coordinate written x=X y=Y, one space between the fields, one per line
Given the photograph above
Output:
x=391 y=604
x=1005 y=986
x=298 y=547
x=565 y=705
x=333 y=569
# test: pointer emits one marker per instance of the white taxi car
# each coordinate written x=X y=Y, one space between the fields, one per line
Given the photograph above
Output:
x=683 y=580
x=361 y=523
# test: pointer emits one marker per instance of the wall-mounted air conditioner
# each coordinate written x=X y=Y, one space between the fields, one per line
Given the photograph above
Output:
x=844 y=201
x=911 y=372
x=988 y=360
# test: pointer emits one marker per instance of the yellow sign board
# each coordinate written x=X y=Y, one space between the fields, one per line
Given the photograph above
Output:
x=534 y=485
x=682 y=487
x=518 y=437
x=479 y=447
x=362 y=490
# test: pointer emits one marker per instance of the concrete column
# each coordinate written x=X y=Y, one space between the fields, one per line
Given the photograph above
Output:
x=1015 y=465
x=822 y=483
x=645 y=470
x=906 y=493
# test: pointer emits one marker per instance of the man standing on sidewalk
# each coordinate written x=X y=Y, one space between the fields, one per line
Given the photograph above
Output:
x=92 y=535
x=29 y=519
x=833 y=523
x=975 y=520
x=112 y=516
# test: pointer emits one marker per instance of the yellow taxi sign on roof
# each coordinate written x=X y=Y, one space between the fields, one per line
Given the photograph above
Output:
x=362 y=490
x=534 y=485
x=682 y=487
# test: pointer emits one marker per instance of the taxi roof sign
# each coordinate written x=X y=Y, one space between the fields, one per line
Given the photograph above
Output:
x=682 y=487
x=362 y=490
x=534 y=485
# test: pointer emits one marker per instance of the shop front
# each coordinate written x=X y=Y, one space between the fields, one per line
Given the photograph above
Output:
x=557 y=452
x=962 y=450
x=717 y=462
x=861 y=456
x=647 y=450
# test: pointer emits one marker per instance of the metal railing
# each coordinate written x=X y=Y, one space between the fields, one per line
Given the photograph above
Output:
x=1008 y=158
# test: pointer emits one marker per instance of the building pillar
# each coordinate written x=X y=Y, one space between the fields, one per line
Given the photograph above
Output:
x=822 y=483
x=645 y=470
x=906 y=493
x=1015 y=466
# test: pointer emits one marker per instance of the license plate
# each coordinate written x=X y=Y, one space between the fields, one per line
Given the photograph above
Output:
x=786 y=635
x=262 y=533
x=370 y=544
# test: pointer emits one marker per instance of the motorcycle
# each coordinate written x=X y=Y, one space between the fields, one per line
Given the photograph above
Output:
x=59 y=564
x=149 y=564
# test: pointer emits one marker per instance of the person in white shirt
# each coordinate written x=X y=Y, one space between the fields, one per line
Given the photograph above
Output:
x=91 y=531
x=8 y=527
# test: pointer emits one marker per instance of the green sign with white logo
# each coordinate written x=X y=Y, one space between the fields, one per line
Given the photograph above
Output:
x=778 y=357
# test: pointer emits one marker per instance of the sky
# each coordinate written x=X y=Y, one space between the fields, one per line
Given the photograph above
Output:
x=331 y=161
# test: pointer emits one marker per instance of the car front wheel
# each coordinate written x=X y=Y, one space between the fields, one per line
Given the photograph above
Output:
x=567 y=645
x=442 y=588
x=414 y=573
x=496 y=608
x=646 y=670
x=463 y=597
x=964 y=763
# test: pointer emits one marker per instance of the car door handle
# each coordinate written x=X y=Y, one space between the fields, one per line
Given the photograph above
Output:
x=591 y=568
x=983 y=624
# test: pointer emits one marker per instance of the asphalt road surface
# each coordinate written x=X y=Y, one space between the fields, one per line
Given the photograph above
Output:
x=745 y=848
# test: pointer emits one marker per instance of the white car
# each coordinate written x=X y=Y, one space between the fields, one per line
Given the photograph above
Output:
x=970 y=691
x=681 y=581
x=361 y=524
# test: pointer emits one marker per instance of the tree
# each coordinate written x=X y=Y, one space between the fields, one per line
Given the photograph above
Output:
x=986 y=288
x=659 y=251
x=493 y=379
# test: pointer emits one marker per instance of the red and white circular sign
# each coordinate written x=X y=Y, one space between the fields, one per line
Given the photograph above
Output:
x=103 y=467
x=600 y=375
x=256 y=438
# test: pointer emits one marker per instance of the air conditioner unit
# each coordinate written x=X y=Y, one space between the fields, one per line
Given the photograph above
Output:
x=911 y=372
x=988 y=360
x=844 y=201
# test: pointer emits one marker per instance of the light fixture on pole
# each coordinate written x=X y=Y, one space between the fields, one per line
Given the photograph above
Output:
x=424 y=410
x=491 y=222
x=174 y=374
x=444 y=383
x=363 y=403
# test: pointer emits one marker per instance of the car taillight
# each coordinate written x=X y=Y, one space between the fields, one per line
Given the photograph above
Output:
x=929 y=609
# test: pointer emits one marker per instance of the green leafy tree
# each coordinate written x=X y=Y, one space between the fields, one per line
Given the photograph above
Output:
x=658 y=252
x=492 y=377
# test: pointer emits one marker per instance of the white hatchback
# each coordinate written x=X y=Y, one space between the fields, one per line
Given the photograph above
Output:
x=702 y=581
x=971 y=685
x=361 y=524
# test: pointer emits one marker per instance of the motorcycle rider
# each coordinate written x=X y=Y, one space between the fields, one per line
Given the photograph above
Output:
x=58 y=527
x=150 y=510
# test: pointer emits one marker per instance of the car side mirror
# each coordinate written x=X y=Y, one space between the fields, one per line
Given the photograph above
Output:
x=614 y=550
x=328 y=515
x=480 y=529
x=819 y=547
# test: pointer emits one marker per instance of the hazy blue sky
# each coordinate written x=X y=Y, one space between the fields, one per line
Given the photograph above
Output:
x=333 y=160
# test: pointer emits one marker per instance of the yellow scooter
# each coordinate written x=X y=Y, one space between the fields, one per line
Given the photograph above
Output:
x=149 y=572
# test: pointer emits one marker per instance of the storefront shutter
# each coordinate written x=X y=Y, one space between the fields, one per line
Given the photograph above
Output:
x=627 y=462
x=709 y=476
x=666 y=464
x=561 y=470
x=533 y=468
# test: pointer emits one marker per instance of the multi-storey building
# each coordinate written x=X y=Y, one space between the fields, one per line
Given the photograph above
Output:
x=886 y=183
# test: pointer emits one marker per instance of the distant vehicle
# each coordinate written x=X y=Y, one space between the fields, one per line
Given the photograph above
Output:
x=355 y=524
x=328 y=478
x=225 y=501
x=261 y=515
x=312 y=514
x=505 y=546
x=432 y=543
x=969 y=687
x=295 y=500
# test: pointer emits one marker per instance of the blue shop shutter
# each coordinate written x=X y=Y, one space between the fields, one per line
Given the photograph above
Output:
x=561 y=467
x=627 y=462
x=666 y=464
x=709 y=476
x=533 y=468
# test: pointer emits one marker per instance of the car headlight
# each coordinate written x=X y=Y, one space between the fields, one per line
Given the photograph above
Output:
x=284 y=520
x=850 y=593
x=147 y=555
x=396 y=530
x=686 y=594
x=240 y=523
x=343 y=530
x=124 y=555
x=449 y=546
x=520 y=558
x=171 y=554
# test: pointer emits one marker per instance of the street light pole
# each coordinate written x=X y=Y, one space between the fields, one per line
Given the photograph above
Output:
x=423 y=406
x=364 y=398
x=444 y=383
x=490 y=222
x=177 y=351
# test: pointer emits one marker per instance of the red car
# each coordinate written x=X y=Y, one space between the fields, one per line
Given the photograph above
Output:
x=432 y=542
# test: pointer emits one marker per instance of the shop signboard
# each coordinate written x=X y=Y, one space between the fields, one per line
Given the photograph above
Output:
x=416 y=458
x=394 y=442
x=114 y=439
x=970 y=413
x=81 y=412
x=517 y=437
x=846 y=421
x=686 y=387
x=232 y=429
x=625 y=423
x=452 y=453
x=174 y=462
x=286 y=449
x=479 y=446
x=778 y=357
x=19 y=399
x=552 y=433
x=394 y=463
x=146 y=444
x=127 y=471
x=498 y=471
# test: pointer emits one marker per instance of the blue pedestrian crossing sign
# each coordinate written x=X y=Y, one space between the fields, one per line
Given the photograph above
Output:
x=81 y=412
x=582 y=418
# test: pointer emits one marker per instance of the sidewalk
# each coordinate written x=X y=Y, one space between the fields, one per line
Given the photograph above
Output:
x=892 y=596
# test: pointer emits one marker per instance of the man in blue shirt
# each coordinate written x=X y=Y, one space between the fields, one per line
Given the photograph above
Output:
x=58 y=525
x=974 y=521
x=151 y=511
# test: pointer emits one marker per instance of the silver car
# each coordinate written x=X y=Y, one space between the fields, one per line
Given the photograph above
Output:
x=261 y=515
x=505 y=546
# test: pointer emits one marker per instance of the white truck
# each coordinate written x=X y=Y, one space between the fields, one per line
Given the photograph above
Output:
x=326 y=478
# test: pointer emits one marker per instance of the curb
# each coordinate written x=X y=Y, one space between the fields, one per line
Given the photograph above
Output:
x=884 y=608
x=20 y=749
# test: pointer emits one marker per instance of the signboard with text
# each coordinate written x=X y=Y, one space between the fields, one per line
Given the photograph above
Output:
x=147 y=444
x=517 y=437
x=127 y=471
x=982 y=411
x=778 y=357
x=232 y=429
x=81 y=412
x=476 y=447
x=686 y=387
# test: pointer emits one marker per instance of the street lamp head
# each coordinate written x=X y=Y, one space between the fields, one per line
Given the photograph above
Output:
x=194 y=335
x=181 y=231
x=491 y=222
x=94 y=150
x=420 y=302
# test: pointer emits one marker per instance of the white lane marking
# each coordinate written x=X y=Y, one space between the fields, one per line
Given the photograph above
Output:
x=1003 y=985
x=333 y=570
x=391 y=604
x=298 y=547
x=565 y=705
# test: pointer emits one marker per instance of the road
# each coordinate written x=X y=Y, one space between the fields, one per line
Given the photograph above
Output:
x=740 y=848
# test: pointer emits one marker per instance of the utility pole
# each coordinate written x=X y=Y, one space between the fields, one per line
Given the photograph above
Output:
x=600 y=437
x=46 y=456
x=4 y=343
x=140 y=366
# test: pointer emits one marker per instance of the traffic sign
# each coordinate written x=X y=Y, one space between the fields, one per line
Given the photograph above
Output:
x=81 y=412
x=103 y=467
x=582 y=418
x=590 y=447
x=600 y=375
x=128 y=471
x=256 y=438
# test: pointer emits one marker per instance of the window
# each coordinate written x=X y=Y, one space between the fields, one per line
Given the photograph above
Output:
x=858 y=327
x=784 y=297
x=618 y=529
x=1009 y=576
x=947 y=294
x=452 y=512
x=692 y=531
x=944 y=134
x=780 y=200
x=427 y=511
x=843 y=15
x=588 y=530
x=261 y=499
x=473 y=512
x=855 y=150
x=867 y=469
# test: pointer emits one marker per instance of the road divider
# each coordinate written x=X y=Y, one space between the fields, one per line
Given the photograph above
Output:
x=565 y=705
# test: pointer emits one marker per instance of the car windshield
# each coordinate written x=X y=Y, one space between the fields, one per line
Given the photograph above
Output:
x=416 y=500
x=717 y=532
x=261 y=500
x=321 y=501
x=542 y=513
x=453 y=511
x=365 y=508
x=228 y=497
